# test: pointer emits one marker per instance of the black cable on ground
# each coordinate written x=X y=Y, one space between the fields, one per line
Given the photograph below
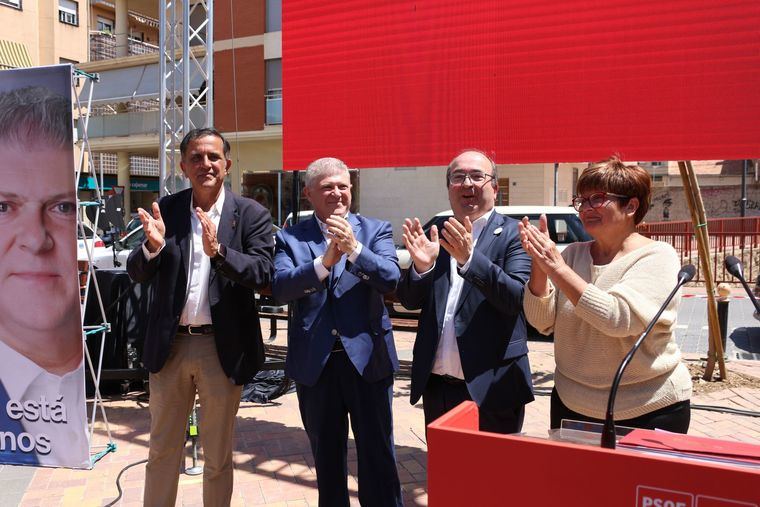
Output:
x=118 y=478
x=727 y=410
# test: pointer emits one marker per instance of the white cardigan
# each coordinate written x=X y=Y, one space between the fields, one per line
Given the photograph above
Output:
x=591 y=338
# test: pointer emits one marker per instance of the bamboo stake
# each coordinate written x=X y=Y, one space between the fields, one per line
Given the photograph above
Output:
x=699 y=219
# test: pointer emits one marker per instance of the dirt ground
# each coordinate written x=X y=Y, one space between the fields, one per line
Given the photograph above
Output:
x=735 y=378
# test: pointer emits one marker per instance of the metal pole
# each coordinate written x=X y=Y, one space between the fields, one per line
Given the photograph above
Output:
x=723 y=320
x=295 y=196
x=186 y=67
x=556 y=172
x=743 y=202
x=210 y=64
x=192 y=435
x=279 y=198
x=162 y=169
x=174 y=121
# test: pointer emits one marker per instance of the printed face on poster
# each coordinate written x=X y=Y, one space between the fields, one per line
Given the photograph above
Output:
x=42 y=399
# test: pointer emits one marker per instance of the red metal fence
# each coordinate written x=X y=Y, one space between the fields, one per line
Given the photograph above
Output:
x=739 y=237
x=715 y=225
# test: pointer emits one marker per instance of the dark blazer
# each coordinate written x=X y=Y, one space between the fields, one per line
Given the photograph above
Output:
x=245 y=228
x=489 y=322
x=353 y=311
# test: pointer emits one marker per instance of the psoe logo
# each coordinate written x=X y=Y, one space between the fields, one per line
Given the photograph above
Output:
x=657 y=497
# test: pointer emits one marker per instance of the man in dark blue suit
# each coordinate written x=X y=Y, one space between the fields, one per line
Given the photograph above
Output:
x=206 y=250
x=334 y=268
x=471 y=341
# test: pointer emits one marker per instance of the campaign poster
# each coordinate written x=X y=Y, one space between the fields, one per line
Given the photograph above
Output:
x=42 y=392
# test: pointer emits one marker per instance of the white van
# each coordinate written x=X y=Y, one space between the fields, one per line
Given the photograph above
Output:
x=302 y=215
x=564 y=225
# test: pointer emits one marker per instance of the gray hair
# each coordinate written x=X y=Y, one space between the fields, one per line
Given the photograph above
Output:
x=35 y=113
x=322 y=167
x=480 y=152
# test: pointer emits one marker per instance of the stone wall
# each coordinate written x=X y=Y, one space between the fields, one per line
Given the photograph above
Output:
x=719 y=202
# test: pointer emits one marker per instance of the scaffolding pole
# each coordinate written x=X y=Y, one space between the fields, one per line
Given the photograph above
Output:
x=185 y=52
x=100 y=330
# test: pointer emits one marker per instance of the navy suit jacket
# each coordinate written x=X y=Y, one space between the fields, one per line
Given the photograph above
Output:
x=348 y=305
x=245 y=228
x=489 y=321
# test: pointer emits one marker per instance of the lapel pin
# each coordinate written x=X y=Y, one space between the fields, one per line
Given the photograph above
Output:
x=497 y=231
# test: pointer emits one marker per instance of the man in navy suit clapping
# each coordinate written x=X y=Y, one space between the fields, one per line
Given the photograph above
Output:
x=334 y=268
x=469 y=280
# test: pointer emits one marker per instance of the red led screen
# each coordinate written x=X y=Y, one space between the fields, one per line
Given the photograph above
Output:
x=410 y=83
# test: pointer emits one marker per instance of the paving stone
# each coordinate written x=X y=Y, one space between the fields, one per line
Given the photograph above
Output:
x=273 y=462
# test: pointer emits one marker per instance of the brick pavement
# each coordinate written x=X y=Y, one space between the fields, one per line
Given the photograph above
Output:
x=272 y=456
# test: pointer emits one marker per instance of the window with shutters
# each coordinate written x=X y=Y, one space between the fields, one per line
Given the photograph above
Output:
x=68 y=12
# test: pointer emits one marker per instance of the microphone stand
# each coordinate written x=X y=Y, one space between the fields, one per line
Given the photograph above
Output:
x=608 y=431
x=734 y=266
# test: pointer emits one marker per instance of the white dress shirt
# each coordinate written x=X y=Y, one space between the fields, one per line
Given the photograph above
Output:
x=447 y=361
x=197 y=310
x=322 y=271
x=67 y=433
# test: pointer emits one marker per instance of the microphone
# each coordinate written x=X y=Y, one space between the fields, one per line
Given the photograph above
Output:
x=608 y=431
x=734 y=266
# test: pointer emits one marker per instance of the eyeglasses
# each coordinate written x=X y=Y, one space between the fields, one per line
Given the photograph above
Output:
x=476 y=177
x=596 y=200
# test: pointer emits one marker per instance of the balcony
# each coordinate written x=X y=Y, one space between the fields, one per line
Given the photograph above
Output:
x=138 y=165
x=123 y=124
x=274 y=107
x=141 y=17
x=131 y=124
x=103 y=47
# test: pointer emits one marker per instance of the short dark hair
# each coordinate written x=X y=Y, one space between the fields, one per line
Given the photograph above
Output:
x=612 y=175
x=36 y=114
x=474 y=150
x=203 y=132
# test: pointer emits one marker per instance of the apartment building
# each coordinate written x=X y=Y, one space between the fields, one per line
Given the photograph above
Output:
x=124 y=126
x=123 y=43
x=42 y=32
x=248 y=97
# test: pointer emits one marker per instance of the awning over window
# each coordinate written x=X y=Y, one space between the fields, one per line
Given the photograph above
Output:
x=88 y=182
x=132 y=83
x=13 y=55
x=143 y=184
x=136 y=184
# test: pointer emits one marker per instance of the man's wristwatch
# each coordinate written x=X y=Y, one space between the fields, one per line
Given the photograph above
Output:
x=221 y=254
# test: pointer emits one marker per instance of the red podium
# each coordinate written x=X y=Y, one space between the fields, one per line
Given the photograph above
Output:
x=471 y=468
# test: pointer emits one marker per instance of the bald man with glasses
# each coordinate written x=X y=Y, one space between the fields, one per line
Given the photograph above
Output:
x=468 y=280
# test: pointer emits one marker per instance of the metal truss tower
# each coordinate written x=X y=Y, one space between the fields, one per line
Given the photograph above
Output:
x=186 y=55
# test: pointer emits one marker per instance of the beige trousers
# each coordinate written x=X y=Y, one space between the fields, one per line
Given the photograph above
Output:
x=193 y=365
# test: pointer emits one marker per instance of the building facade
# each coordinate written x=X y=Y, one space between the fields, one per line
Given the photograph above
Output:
x=42 y=32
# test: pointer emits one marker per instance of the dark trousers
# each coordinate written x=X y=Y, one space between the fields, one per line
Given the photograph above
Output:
x=325 y=407
x=675 y=417
x=441 y=394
